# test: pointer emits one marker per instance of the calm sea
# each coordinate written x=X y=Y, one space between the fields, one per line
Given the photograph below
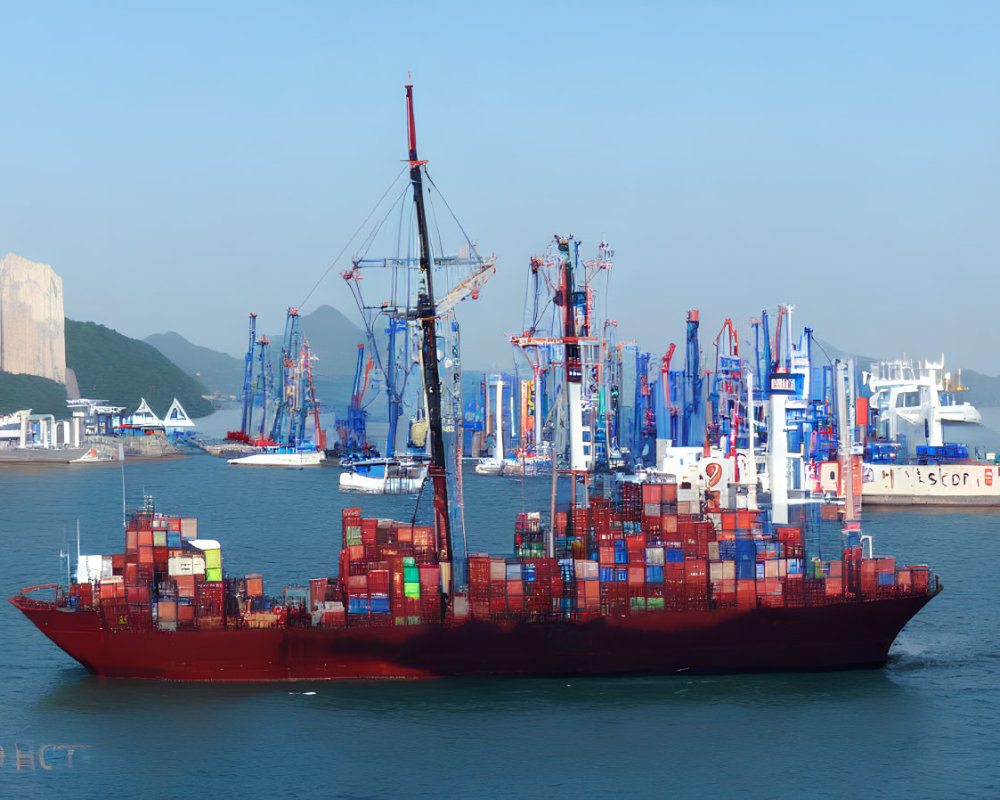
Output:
x=925 y=726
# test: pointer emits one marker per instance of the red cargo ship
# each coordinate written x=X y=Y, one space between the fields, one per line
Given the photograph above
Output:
x=385 y=616
x=632 y=583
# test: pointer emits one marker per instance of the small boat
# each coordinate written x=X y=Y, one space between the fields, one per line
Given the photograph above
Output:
x=93 y=455
x=280 y=457
x=907 y=462
x=387 y=475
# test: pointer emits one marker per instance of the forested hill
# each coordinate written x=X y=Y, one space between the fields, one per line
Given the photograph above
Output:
x=113 y=367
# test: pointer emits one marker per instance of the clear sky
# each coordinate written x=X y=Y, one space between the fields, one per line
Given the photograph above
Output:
x=182 y=164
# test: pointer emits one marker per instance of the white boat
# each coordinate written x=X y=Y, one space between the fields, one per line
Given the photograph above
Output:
x=910 y=410
x=94 y=455
x=280 y=457
x=402 y=475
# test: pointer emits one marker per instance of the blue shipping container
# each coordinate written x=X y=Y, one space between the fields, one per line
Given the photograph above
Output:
x=654 y=574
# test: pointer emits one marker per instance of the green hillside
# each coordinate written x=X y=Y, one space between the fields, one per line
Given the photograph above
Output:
x=112 y=367
x=41 y=395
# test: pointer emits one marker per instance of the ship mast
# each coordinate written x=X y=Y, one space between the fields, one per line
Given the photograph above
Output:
x=426 y=313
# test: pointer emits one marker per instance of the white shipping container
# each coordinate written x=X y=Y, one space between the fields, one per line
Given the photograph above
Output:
x=90 y=569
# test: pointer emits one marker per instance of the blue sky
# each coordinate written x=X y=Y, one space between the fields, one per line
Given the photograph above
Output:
x=182 y=164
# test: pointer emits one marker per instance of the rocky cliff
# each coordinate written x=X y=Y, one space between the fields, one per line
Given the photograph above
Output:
x=32 y=336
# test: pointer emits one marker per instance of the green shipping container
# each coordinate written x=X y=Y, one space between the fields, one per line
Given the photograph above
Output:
x=411 y=589
x=638 y=603
x=654 y=603
x=411 y=575
x=213 y=574
x=213 y=559
x=409 y=561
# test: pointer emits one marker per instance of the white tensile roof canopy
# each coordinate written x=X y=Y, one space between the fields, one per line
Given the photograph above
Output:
x=177 y=417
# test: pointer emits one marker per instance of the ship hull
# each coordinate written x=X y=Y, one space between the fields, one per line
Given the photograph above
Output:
x=970 y=484
x=295 y=460
x=837 y=636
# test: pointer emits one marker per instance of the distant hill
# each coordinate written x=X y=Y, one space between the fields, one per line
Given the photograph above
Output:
x=220 y=372
x=112 y=367
x=41 y=395
x=332 y=337
x=984 y=390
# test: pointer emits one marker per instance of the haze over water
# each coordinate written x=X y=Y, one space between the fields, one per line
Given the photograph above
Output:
x=925 y=726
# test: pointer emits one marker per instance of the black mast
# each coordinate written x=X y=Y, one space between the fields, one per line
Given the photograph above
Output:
x=427 y=314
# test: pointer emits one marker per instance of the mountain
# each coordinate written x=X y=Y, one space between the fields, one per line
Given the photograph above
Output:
x=112 y=367
x=220 y=372
x=333 y=339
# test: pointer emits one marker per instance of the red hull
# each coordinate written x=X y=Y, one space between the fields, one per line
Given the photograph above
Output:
x=836 y=636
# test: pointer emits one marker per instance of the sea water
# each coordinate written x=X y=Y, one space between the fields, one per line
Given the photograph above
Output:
x=924 y=726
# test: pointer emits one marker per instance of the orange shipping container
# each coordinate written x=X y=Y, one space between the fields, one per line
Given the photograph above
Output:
x=255 y=585
x=167 y=609
x=185 y=585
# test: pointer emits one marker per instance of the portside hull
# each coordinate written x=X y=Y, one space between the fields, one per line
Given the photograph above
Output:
x=842 y=635
x=971 y=484
x=278 y=460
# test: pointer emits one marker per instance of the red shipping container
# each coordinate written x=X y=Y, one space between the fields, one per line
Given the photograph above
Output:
x=746 y=593
x=137 y=594
x=185 y=586
x=145 y=538
x=317 y=591
x=357 y=584
x=145 y=555
x=430 y=577
x=131 y=574
x=185 y=613
x=378 y=581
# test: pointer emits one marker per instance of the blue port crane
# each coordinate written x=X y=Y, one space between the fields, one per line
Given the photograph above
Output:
x=693 y=407
x=353 y=430
x=248 y=393
x=288 y=399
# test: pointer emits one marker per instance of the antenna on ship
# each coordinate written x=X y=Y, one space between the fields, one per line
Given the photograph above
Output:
x=426 y=313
